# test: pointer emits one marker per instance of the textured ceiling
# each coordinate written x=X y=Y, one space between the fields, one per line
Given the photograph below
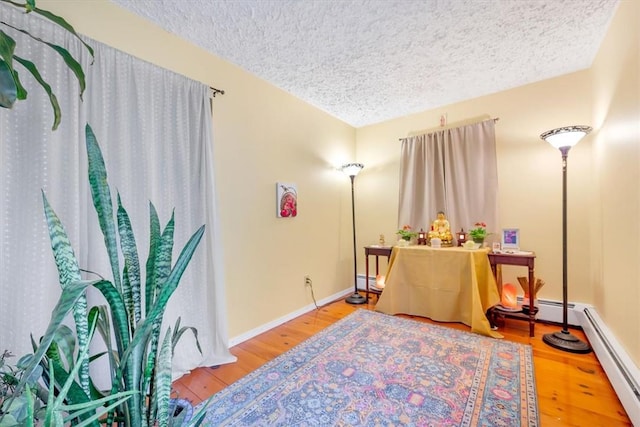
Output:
x=367 y=61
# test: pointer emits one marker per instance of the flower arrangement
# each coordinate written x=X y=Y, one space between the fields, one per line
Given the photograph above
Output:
x=405 y=233
x=479 y=232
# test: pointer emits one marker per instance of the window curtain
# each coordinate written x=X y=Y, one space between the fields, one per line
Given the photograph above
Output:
x=155 y=130
x=451 y=170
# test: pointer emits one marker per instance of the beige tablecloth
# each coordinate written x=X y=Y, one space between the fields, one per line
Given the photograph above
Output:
x=447 y=285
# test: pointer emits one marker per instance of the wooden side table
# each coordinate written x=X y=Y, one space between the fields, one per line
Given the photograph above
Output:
x=525 y=260
x=375 y=251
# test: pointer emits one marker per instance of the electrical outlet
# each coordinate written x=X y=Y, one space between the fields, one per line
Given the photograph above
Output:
x=307 y=280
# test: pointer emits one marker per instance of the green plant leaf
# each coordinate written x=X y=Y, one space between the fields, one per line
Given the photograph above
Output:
x=77 y=410
x=50 y=413
x=64 y=24
x=131 y=262
x=30 y=407
x=154 y=244
x=134 y=355
x=162 y=380
x=7 y=49
x=65 y=304
x=63 y=344
x=179 y=332
x=157 y=311
x=74 y=394
x=162 y=269
x=68 y=272
x=9 y=82
x=80 y=409
x=124 y=377
x=118 y=314
x=198 y=417
x=101 y=196
x=127 y=297
x=70 y=390
x=104 y=328
x=69 y=60
x=164 y=254
x=30 y=66
x=8 y=88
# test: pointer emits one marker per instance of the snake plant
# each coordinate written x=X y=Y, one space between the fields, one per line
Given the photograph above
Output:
x=11 y=87
x=140 y=361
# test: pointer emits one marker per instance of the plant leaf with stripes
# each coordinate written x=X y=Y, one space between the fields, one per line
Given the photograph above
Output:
x=154 y=243
x=157 y=311
x=162 y=381
x=164 y=254
x=64 y=306
x=131 y=262
x=68 y=272
x=101 y=196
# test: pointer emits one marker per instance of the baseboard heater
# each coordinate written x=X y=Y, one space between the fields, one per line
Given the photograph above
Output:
x=620 y=369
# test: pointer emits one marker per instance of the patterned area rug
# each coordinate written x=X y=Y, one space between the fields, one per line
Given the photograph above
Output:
x=373 y=369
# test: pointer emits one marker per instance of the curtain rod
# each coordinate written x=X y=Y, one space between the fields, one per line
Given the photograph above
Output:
x=495 y=119
x=215 y=91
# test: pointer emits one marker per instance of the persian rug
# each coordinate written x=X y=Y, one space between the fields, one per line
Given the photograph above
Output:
x=373 y=369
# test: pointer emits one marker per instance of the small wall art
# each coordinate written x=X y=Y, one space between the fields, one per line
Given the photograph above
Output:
x=510 y=238
x=286 y=200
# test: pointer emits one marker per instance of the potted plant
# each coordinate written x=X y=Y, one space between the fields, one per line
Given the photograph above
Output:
x=479 y=232
x=52 y=386
x=406 y=233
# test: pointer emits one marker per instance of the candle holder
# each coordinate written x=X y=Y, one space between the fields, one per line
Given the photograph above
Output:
x=461 y=236
x=422 y=237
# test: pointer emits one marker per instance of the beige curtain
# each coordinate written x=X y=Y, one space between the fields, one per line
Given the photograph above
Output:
x=451 y=170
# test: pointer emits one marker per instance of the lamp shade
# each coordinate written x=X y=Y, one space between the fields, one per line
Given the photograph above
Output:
x=352 y=169
x=567 y=136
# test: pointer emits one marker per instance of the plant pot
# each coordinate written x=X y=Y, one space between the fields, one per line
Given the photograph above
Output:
x=478 y=240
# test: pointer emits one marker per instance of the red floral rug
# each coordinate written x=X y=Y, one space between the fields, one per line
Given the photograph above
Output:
x=372 y=369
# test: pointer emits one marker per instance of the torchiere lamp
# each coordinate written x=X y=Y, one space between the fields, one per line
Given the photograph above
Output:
x=563 y=139
x=352 y=169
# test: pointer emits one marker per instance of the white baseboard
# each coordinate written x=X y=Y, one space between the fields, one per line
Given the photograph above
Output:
x=620 y=369
x=277 y=322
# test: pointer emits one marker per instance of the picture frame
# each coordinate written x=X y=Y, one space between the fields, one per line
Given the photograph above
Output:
x=496 y=247
x=286 y=200
x=510 y=238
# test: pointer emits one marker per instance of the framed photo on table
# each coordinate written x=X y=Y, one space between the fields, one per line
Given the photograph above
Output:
x=510 y=238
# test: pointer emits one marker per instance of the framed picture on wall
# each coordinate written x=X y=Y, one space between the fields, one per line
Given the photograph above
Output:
x=286 y=200
x=510 y=238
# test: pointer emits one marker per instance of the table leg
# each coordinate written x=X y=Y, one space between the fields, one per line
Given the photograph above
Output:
x=366 y=274
x=532 y=317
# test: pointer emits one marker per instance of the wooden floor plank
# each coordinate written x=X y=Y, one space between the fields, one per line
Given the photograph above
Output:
x=573 y=389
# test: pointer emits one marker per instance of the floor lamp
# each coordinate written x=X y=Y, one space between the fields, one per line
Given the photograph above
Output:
x=352 y=169
x=563 y=139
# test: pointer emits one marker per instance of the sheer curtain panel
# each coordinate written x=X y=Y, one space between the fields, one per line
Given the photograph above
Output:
x=451 y=170
x=155 y=130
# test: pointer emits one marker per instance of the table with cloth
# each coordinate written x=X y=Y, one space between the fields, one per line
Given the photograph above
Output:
x=444 y=284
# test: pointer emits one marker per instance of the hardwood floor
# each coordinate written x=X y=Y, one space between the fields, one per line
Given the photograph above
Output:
x=573 y=390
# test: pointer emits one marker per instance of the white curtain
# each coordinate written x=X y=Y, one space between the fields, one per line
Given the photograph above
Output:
x=451 y=170
x=155 y=130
